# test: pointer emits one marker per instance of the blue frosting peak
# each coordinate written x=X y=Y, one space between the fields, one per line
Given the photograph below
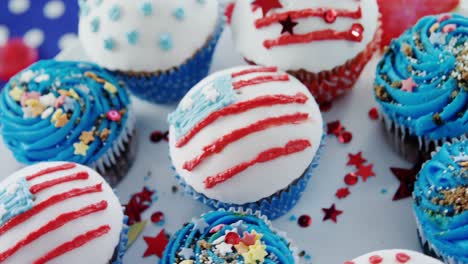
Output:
x=62 y=111
x=15 y=199
x=228 y=237
x=422 y=80
x=441 y=201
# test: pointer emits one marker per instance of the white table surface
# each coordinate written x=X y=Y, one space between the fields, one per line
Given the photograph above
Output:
x=371 y=220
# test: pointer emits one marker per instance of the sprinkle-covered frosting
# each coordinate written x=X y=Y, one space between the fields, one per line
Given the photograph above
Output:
x=229 y=237
x=441 y=201
x=68 y=111
x=394 y=256
x=421 y=82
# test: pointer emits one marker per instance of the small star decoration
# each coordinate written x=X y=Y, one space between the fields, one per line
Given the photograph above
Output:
x=365 y=171
x=407 y=177
x=288 y=25
x=331 y=213
x=356 y=160
x=408 y=85
x=87 y=137
x=156 y=245
x=266 y=5
x=138 y=203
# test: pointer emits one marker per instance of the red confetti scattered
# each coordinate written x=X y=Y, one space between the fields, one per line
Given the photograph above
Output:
x=345 y=137
x=156 y=245
x=15 y=55
x=351 y=179
x=304 y=221
x=138 y=203
x=373 y=113
x=326 y=106
x=157 y=217
x=375 y=259
x=228 y=12
x=365 y=171
x=342 y=193
x=157 y=136
x=266 y=5
x=407 y=177
x=334 y=128
x=331 y=213
x=356 y=160
x=232 y=238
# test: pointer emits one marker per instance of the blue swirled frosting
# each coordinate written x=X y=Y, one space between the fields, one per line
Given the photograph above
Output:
x=421 y=81
x=208 y=239
x=45 y=109
x=441 y=201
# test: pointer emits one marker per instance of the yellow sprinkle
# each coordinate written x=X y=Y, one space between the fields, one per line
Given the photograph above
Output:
x=80 y=148
x=187 y=262
x=32 y=102
x=37 y=110
x=434 y=27
x=16 y=93
x=56 y=115
x=64 y=92
x=110 y=87
x=74 y=94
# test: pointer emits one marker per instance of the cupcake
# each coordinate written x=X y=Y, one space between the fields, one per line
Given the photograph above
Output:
x=422 y=86
x=246 y=137
x=229 y=237
x=57 y=212
x=159 y=48
x=441 y=203
x=394 y=256
x=68 y=111
x=325 y=44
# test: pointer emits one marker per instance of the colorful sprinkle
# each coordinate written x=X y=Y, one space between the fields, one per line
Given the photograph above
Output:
x=114 y=115
x=232 y=238
x=80 y=149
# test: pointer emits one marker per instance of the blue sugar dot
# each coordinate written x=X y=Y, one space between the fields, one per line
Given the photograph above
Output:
x=147 y=9
x=95 y=23
x=165 y=41
x=179 y=13
x=114 y=13
x=84 y=8
x=132 y=37
x=109 y=44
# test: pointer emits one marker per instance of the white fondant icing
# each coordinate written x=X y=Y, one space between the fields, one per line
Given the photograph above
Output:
x=263 y=179
x=389 y=257
x=187 y=35
x=99 y=251
x=316 y=56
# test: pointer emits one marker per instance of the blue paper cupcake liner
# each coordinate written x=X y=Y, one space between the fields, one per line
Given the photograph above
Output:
x=122 y=247
x=170 y=86
x=273 y=206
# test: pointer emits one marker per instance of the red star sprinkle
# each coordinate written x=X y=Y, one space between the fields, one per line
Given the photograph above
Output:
x=156 y=245
x=356 y=159
x=365 y=171
x=331 y=213
x=407 y=177
x=334 y=128
x=266 y=5
x=342 y=193
x=288 y=25
x=373 y=113
x=157 y=136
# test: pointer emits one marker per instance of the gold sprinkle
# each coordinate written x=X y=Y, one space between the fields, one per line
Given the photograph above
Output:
x=93 y=76
x=110 y=88
x=104 y=134
x=434 y=27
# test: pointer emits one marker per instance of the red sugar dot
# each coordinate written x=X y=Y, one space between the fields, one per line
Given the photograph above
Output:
x=356 y=32
x=157 y=217
x=402 y=257
x=373 y=113
x=232 y=238
x=345 y=137
x=330 y=16
x=156 y=136
x=351 y=179
x=304 y=221
x=375 y=259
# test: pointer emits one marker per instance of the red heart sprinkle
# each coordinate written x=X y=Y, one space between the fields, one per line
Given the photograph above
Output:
x=232 y=238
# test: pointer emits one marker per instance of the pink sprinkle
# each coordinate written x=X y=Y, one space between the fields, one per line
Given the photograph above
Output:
x=449 y=28
x=60 y=101
x=114 y=115
x=444 y=17
x=216 y=228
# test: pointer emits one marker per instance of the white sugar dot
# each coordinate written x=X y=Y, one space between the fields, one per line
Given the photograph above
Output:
x=4 y=34
x=34 y=37
x=18 y=6
x=67 y=40
x=54 y=9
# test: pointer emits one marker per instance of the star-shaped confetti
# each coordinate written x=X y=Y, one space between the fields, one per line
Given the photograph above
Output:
x=331 y=213
x=62 y=120
x=342 y=193
x=407 y=177
x=200 y=224
x=365 y=171
x=186 y=253
x=249 y=239
x=104 y=134
x=156 y=245
x=87 y=137
x=266 y=5
x=16 y=93
x=256 y=253
x=356 y=159
x=80 y=149
x=408 y=85
x=224 y=248
x=288 y=25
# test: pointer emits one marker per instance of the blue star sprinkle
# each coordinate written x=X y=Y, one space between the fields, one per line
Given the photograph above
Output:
x=132 y=37
x=186 y=253
x=200 y=225
x=165 y=41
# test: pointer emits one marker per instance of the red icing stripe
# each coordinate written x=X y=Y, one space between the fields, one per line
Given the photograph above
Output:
x=58 y=222
x=62 y=167
x=254 y=70
x=221 y=143
x=354 y=34
x=44 y=185
x=259 y=80
x=332 y=14
x=73 y=244
x=53 y=200
x=267 y=155
x=237 y=108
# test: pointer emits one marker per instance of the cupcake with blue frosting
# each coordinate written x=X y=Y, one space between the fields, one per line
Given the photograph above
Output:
x=247 y=137
x=159 y=48
x=60 y=212
x=69 y=111
x=422 y=85
x=231 y=236
x=441 y=203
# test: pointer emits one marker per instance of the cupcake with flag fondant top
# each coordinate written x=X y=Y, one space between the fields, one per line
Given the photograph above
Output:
x=69 y=111
x=325 y=44
x=57 y=212
x=229 y=237
x=441 y=203
x=422 y=85
x=159 y=48
x=246 y=136
x=394 y=256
